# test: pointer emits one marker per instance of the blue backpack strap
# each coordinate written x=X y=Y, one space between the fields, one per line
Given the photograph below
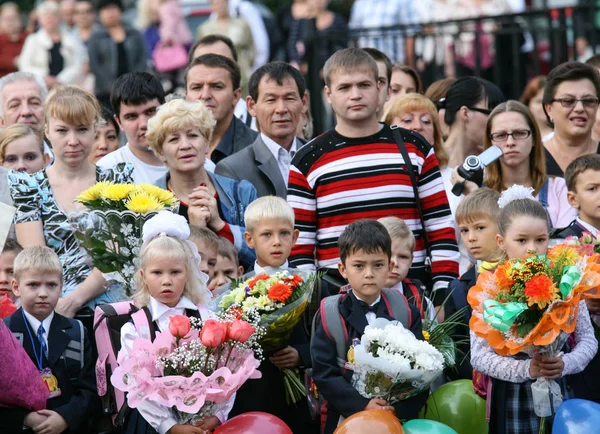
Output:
x=397 y=305
x=75 y=349
x=543 y=194
x=334 y=326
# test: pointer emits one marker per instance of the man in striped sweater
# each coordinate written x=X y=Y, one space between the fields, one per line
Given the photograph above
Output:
x=356 y=171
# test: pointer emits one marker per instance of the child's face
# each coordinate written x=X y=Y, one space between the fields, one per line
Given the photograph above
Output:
x=272 y=240
x=208 y=254
x=166 y=279
x=586 y=197
x=366 y=273
x=39 y=292
x=7 y=260
x=24 y=155
x=525 y=234
x=479 y=237
x=401 y=260
x=225 y=270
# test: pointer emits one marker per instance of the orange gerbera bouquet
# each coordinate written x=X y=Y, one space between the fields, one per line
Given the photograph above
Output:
x=280 y=299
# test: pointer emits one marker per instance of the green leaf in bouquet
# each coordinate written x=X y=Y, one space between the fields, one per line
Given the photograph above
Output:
x=279 y=331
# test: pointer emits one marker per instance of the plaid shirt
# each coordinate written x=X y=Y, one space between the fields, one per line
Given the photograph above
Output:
x=375 y=14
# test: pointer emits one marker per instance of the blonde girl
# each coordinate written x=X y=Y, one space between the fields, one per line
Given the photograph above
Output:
x=523 y=227
x=22 y=149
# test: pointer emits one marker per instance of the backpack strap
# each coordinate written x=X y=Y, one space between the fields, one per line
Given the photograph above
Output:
x=543 y=194
x=142 y=320
x=416 y=296
x=334 y=326
x=397 y=306
x=82 y=343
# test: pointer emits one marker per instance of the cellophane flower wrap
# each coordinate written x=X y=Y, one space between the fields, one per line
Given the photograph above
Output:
x=280 y=299
x=194 y=375
x=531 y=305
x=392 y=364
x=111 y=228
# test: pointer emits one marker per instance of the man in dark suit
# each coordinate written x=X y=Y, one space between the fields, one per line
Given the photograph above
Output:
x=277 y=99
x=215 y=80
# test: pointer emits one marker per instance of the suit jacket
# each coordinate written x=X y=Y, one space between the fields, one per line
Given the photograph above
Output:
x=335 y=385
x=256 y=164
x=237 y=137
x=78 y=403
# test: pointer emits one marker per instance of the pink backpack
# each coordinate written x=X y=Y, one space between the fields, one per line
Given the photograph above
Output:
x=108 y=321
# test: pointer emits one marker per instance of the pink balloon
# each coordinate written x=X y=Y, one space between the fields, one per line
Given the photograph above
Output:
x=254 y=422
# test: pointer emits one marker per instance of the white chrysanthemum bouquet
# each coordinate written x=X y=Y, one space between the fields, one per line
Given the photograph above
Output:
x=392 y=364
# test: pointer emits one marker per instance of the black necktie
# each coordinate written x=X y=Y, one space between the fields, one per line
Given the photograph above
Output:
x=366 y=308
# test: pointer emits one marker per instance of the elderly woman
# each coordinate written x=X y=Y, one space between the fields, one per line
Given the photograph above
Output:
x=570 y=102
x=179 y=135
x=52 y=53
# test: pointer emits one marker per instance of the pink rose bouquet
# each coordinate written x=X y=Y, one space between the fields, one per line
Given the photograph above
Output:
x=193 y=369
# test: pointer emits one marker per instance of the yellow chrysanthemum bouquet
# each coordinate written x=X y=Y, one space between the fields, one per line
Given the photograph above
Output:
x=110 y=230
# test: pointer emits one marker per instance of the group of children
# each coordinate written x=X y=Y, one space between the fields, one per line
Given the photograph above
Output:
x=374 y=256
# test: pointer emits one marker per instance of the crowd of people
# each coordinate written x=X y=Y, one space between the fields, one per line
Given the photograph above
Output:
x=369 y=203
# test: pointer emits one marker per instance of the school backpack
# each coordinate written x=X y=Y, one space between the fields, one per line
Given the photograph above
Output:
x=108 y=321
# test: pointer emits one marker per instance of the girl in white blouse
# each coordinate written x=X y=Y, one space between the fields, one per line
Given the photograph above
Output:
x=523 y=227
x=169 y=283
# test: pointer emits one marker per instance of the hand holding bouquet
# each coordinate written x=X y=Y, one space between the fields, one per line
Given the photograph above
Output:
x=111 y=228
x=194 y=369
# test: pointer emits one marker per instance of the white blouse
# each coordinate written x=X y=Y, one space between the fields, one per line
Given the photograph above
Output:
x=160 y=417
x=485 y=360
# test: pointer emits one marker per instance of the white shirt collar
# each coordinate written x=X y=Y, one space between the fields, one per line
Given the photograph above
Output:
x=35 y=323
x=268 y=270
x=275 y=147
x=160 y=310
x=592 y=230
x=398 y=287
x=360 y=299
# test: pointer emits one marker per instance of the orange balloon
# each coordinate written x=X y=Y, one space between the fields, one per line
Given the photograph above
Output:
x=369 y=422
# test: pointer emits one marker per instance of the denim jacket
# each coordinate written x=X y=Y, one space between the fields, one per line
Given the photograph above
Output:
x=234 y=198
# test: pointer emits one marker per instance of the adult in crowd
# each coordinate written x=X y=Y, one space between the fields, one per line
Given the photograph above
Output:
x=135 y=98
x=107 y=136
x=251 y=14
x=286 y=18
x=277 y=99
x=512 y=127
x=115 y=49
x=236 y=29
x=215 y=80
x=223 y=46
x=67 y=16
x=51 y=52
x=357 y=166
x=384 y=68
x=22 y=148
x=44 y=199
x=180 y=134
x=22 y=97
x=404 y=80
x=532 y=97
x=85 y=20
x=327 y=30
x=375 y=14
x=147 y=23
x=570 y=102
x=437 y=92
x=594 y=62
x=12 y=37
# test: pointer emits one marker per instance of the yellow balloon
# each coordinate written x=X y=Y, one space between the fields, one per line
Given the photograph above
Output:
x=369 y=422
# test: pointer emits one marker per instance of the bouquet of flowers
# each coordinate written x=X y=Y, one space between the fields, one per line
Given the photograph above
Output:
x=391 y=364
x=194 y=369
x=111 y=228
x=280 y=299
x=587 y=244
x=532 y=304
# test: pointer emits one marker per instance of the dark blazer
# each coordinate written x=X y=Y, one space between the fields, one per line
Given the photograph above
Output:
x=237 y=137
x=78 y=403
x=342 y=398
x=256 y=164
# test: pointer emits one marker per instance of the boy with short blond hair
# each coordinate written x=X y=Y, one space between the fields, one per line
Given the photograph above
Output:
x=58 y=346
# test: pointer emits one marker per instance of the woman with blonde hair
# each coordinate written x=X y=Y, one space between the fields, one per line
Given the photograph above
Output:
x=22 y=149
x=46 y=198
x=179 y=134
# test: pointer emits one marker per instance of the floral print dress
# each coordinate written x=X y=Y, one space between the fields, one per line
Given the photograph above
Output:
x=33 y=198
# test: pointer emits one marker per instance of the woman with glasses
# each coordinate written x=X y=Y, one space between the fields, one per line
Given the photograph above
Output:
x=570 y=102
x=512 y=127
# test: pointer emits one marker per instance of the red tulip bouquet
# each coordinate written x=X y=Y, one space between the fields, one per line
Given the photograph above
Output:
x=194 y=369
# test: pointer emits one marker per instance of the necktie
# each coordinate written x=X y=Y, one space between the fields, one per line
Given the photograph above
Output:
x=40 y=336
x=366 y=308
x=284 y=162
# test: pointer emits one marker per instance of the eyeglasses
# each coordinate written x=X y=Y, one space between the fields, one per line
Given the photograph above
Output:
x=572 y=102
x=502 y=136
x=480 y=110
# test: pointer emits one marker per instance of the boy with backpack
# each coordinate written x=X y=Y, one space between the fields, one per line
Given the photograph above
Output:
x=365 y=252
x=58 y=346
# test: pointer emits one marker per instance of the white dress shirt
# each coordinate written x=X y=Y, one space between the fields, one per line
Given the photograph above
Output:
x=588 y=227
x=283 y=157
x=35 y=325
x=268 y=270
x=159 y=417
x=371 y=316
x=428 y=304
